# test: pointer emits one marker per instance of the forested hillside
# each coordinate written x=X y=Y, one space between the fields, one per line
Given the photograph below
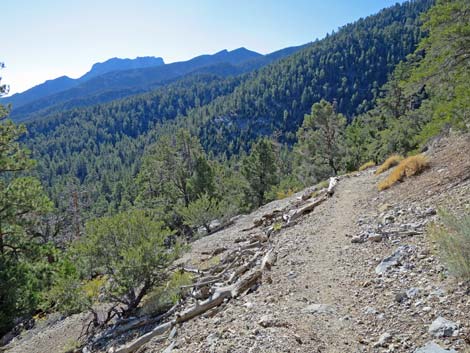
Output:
x=96 y=147
x=347 y=67
x=120 y=189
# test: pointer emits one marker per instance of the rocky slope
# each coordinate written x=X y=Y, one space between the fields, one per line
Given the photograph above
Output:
x=357 y=274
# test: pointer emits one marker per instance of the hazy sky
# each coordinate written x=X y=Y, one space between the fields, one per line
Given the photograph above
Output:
x=44 y=39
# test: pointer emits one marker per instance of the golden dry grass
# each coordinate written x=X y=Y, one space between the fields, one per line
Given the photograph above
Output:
x=409 y=166
x=390 y=162
x=367 y=165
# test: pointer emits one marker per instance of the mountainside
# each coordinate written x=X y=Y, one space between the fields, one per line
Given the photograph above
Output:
x=316 y=203
x=322 y=289
x=347 y=67
x=99 y=86
x=89 y=146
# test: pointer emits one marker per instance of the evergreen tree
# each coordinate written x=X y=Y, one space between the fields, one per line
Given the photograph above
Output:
x=22 y=200
x=321 y=140
x=260 y=171
x=169 y=166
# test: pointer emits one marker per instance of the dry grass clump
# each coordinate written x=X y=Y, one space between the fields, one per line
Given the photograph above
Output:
x=453 y=243
x=367 y=165
x=410 y=166
x=390 y=162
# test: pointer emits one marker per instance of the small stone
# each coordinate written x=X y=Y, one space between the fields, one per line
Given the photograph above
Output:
x=370 y=311
x=438 y=292
x=248 y=305
x=442 y=327
x=319 y=309
x=384 y=340
x=388 y=219
x=393 y=260
x=266 y=321
x=400 y=297
x=212 y=338
x=357 y=239
x=412 y=292
x=376 y=238
x=291 y=275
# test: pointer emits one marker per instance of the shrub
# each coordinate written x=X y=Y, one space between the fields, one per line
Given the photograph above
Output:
x=323 y=184
x=131 y=250
x=163 y=297
x=204 y=210
x=286 y=188
x=390 y=162
x=68 y=294
x=367 y=165
x=408 y=167
x=452 y=238
x=281 y=194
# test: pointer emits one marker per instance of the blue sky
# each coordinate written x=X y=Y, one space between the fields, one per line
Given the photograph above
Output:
x=44 y=39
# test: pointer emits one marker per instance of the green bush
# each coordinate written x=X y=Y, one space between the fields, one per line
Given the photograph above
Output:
x=453 y=242
x=132 y=250
x=67 y=294
x=165 y=296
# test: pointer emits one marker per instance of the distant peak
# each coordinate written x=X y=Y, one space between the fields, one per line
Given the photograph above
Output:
x=120 y=64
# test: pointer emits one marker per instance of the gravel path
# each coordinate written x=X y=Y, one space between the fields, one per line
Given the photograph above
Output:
x=323 y=294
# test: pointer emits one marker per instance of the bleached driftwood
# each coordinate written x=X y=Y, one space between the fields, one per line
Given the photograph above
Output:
x=243 y=268
x=242 y=279
x=217 y=298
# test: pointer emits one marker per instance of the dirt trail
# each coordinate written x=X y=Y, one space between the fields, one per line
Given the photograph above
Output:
x=310 y=304
x=323 y=294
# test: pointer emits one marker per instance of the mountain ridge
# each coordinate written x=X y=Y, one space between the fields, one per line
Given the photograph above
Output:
x=61 y=83
x=121 y=83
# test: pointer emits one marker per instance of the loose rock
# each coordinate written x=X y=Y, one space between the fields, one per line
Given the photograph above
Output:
x=442 y=327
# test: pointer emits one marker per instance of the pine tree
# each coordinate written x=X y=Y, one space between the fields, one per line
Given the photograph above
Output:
x=321 y=140
x=260 y=171
x=21 y=201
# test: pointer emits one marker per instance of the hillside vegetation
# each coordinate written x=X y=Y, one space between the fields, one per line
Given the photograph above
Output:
x=132 y=182
x=99 y=148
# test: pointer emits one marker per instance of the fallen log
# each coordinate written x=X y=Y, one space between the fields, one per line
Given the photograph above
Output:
x=305 y=209
x=137 y=343
x=139 y=323
x=245 y=267
x=222 y=226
